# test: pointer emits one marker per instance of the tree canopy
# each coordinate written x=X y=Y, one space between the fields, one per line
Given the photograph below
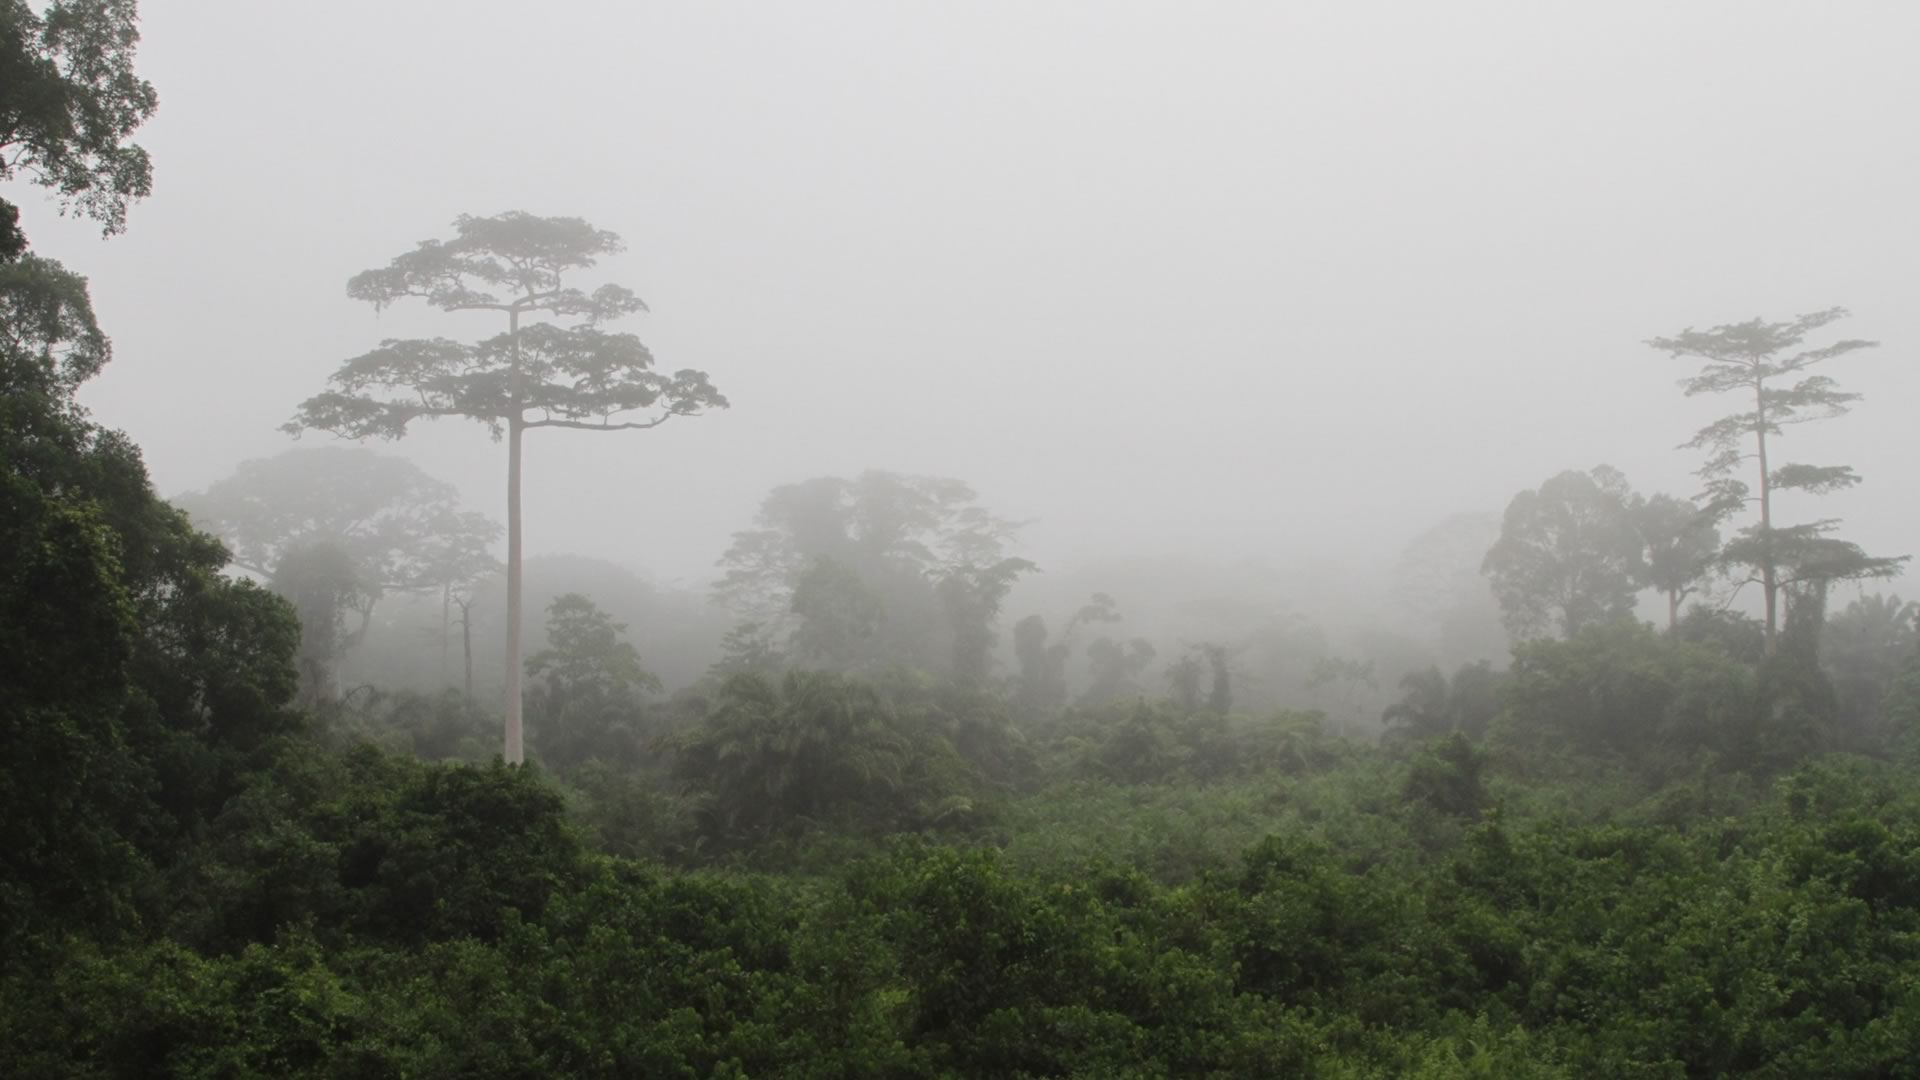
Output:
x=69 y=102
x=876 y=570
x=1568 y=556
x=390 y=517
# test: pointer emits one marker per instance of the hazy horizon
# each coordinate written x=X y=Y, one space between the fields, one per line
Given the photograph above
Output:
x=1293 y=283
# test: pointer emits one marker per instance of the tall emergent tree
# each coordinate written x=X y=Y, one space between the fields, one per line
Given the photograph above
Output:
x=1765 y=363
x=538 y=375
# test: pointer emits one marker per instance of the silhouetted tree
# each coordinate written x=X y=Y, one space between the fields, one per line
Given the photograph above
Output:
x=1567 y=555
x=1765 y=363
x=831 y=561
x=1040 y=686
x=401 y=528
x=972 y=595
x=323 y=583
x=587 y=684
x=807 y=745
x=840 y=617
x=383 y=525
x=540 y=375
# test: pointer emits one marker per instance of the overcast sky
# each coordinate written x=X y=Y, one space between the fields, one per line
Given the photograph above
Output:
x=1213 y=278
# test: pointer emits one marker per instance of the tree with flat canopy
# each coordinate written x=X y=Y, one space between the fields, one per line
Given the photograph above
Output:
x=1766 y=364
x=554 y=367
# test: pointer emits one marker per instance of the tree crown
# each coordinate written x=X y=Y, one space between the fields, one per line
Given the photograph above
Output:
x=514 y=261
x=69 y=100
x=577 y=377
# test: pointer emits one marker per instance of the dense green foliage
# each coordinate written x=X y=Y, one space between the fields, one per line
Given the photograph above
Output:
x=360 y=914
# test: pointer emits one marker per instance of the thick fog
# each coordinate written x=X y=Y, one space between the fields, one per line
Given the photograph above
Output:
x=1292 y=282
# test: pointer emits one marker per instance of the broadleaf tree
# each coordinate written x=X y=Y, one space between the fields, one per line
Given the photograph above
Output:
x=875 y=571
x=70 y=101
x=385 y=525
x=384 y=511
x=537 y=374
x=1769 y=365
x=1567 y=556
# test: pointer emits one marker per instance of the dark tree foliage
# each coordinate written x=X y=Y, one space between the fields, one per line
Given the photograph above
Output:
x=69 y=101
x=138 y=683
x=813 y=746
x=1447 y=777
x=588 y=685
x=46 y=322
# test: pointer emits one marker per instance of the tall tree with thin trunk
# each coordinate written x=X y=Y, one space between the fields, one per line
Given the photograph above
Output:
x=538 y=374
x=1767 y=366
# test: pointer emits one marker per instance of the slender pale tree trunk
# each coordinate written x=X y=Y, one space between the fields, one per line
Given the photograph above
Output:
x=446 y=627
x=466 y=651
x=1769 y=576
x=514 y=752
x=1673 y=610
